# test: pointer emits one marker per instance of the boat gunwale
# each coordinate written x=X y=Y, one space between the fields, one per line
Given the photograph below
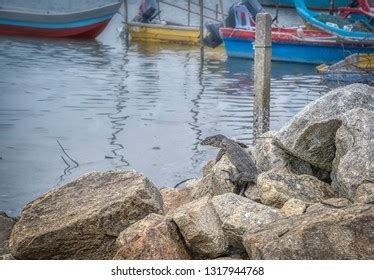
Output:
x=163 y=26
x=31 y=16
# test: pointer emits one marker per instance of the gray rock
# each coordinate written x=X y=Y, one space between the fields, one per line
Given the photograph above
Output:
x=82 y=219
x=201 y=228
x=293 y=207
x=155 y=237
x=215 y=182
x=269 y=156
x=279 y=185
x=6 y=226
x=331 y=203
x=365 y=193
x=354 y=161
x=310 y=135
x=239 y=214
x=330 y=234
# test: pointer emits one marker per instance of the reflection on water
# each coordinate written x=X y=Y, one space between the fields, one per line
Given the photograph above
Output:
x=70 y=107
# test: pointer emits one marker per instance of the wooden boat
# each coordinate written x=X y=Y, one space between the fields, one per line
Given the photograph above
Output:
x=293 y=45
x=354 y=68
x=313 y=4
x=164 y=32
x=347 y=29
x=56 y=18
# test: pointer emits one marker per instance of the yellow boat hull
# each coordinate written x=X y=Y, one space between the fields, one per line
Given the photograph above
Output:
x=164 y=33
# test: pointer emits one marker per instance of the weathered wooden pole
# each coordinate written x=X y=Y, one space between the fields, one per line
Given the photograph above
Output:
x=189 y=12
x=126 y=20
x=222 y=13
x=216 y=11
x=201 y=2
x=262 y=74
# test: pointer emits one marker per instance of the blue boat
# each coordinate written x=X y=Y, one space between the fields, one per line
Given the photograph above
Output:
x=344 y=28
x=314 y=4
x=293 y=45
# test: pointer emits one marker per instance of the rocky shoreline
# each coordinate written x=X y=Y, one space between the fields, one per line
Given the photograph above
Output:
x=313 y=199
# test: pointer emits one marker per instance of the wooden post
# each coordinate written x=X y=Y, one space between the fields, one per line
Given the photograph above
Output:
x=158 y=9
x=216 y=11
x=189 y=12
x=262 y=74
x=126 y=20
x=201 y=2
x=222 y=13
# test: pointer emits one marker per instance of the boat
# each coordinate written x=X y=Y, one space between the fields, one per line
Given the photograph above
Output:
x=293 y=44
x=164 y=32
x=56 y=18
x=349 y=29
x=313 y=4
x=354 y=68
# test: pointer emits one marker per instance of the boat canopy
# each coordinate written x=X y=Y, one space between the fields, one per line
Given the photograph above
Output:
x=349 y=29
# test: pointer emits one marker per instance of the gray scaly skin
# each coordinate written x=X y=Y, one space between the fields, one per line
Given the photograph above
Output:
x=245 y=165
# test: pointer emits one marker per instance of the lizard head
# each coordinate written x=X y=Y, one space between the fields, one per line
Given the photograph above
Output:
x=215 y=141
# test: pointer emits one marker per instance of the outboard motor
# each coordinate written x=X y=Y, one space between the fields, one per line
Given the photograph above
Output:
x=241 y=15
x=147 y=11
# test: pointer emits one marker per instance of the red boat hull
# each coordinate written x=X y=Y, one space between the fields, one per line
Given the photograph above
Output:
x=85 y=32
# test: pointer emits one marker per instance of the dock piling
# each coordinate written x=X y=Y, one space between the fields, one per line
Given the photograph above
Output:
x=262 y=74
x=126 y=20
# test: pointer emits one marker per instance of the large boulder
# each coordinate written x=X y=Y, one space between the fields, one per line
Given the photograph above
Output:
x=215 y=180
x=82 y=219
x=269 y=156
x=239 y=214
x=331 y=234
x=279 y=185
x=354 y=161
x=6 y=226
x=310 y=135
x=174 y=198
x=155 y=237
x=201 y=228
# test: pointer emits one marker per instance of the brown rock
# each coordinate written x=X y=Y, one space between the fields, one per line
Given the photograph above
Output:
x=293 y=207
x=82 y=219
x=330 y=234
x=6 y=225
x=201 y=228
x=239 y=214
x=279 y=185
x=174 y=198
x=337 y=203
x=155 y=237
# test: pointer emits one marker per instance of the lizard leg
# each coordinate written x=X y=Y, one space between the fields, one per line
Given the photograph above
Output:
x=220 y=155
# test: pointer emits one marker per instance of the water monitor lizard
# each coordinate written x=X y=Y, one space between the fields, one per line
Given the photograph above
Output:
x=245 y=165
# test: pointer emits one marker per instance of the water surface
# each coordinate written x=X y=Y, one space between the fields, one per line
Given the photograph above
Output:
x=70 y=107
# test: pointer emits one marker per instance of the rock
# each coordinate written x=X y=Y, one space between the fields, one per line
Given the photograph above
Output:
x=269 y=156
x=352 y=165
x=155 y=237
x=7 y=257
x=174 y=198
x=6 y=226
x=239 y=214
x=337 y=203
x=293 y=207
x=279 y=185
x=82 y=219
x=214 y=182
x=201 y=228
x=330 y=234
x=310 y=135
x=365 y=193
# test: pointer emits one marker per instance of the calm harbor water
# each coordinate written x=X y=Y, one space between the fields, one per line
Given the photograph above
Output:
x=70 y=107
